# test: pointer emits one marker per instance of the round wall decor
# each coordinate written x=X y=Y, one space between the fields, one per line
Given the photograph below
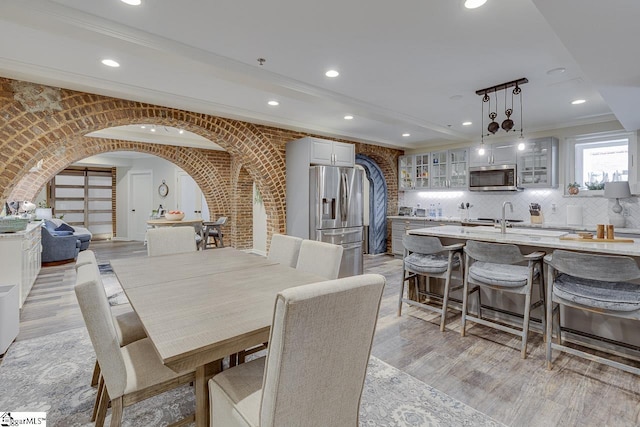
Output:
x=163 y=190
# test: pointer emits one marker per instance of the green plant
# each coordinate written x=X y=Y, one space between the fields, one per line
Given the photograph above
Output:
x=573 y=185
x=43 y=204
x=595 y=186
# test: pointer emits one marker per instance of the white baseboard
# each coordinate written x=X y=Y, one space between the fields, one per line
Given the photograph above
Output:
x=256 y=251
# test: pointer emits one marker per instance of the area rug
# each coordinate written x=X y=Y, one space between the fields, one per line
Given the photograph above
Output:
x=112 y=287
x=51 y=374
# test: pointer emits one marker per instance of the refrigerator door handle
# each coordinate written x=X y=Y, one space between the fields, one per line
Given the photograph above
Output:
x=343 y=233
x=344 y=197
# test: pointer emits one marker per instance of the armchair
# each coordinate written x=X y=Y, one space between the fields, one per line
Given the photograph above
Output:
x=59 y=246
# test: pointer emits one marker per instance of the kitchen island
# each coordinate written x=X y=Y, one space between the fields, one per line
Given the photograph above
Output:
x=575 y=322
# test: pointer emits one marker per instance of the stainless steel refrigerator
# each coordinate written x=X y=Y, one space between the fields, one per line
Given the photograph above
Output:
x=336 y=212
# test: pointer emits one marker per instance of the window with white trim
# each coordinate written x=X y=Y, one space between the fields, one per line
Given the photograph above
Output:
x=597 y=159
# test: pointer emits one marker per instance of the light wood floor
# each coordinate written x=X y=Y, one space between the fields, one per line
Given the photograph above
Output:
x=483 y=369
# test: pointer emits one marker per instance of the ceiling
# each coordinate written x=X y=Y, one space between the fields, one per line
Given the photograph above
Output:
x=405 y=67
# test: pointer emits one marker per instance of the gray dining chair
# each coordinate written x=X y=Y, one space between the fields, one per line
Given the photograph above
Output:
x=213 y=229
x=495 y=266
x=284 y=249
x=130 y=373
x=170 y=240
x=313 y=375
x=592 y=283
x=320 y=258
x=424 y=256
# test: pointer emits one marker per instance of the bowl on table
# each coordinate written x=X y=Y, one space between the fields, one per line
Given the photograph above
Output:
x=174 y=216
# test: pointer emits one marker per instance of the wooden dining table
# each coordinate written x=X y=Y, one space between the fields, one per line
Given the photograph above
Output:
x=199 y=307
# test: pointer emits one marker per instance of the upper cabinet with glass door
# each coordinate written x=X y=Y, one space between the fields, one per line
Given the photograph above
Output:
x=422 y=171
x=406 y=180
x=438 y=170
x=538 y=163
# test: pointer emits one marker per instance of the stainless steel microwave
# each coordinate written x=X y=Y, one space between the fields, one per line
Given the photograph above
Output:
x=493 y=178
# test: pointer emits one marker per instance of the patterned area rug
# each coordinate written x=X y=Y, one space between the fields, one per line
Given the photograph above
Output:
x=112 y=287
x=51 y=374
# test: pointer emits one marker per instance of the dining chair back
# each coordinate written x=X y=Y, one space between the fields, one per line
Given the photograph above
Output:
x=313 y=375
x=592 y=283
x=320 y=258
x=170 y=240
x=130 y=373
x=213 y=229
x=86 y=257
x=495 y=266
x=284 y=249
x=424 y=256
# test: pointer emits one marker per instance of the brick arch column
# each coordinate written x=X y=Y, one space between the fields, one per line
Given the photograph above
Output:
x=26 y=133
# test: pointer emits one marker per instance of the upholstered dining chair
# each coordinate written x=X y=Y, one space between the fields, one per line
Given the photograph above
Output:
x=593 y=283
x=494 y=266
x=425 y=256
x=313 y=375
x=170 y=240
x=86 y=257
x=320 y=258
x=130 y=373
x=214 y=230
x=284 y=249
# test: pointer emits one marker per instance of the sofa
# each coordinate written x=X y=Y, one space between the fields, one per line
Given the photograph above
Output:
x=62 y=242
x=81 y=233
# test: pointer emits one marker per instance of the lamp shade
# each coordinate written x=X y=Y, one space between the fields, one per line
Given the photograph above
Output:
x=617 y=190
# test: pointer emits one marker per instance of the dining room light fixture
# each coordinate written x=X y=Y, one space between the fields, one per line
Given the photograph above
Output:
x=508 y=124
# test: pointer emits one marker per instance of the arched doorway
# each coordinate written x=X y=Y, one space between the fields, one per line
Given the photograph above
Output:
x=377 y=204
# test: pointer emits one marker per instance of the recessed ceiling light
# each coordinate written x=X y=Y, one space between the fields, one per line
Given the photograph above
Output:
x=273 y=103
x=332 y=73
x=143 y=127
x=467 y=123
x=181 y=131
x=578 y=101
x=132 y=2
x=406 y=134
x=110 y=63
x=348 y=117
x=153 y=129
x=556 y=71
x=521 y=146
x=472 y=4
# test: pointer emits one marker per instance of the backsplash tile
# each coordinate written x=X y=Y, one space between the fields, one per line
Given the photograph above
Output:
x=489 y=205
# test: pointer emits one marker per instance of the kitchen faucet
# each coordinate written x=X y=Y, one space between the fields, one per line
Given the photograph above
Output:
x=503 y=222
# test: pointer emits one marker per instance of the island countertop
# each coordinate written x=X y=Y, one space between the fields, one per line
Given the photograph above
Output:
x=544 y=239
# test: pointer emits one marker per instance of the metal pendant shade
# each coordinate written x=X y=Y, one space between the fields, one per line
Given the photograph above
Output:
x=508 y=124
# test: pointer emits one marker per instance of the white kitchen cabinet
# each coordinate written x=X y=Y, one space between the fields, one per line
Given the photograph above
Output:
x=406 y=167
x=437 y=170
x=538 y=163
x=501 y=153
x=20 y=259
x=326 y=152
x=399 y=228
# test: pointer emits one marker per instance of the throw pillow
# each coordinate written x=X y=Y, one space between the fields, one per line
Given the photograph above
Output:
x=62 y=233
x=65 y=227
x=51 y=226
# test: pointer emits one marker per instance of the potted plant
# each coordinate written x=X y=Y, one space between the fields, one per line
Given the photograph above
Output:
x=44 y=211
x=574 y=188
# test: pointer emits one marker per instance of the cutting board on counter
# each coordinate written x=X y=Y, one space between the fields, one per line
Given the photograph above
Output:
x=595 y=239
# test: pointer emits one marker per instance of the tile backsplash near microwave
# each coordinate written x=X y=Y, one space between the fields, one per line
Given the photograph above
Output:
x=489 y=205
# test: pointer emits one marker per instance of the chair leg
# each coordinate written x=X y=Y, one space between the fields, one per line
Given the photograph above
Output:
x=102 y=408
x=525 y=322
x=96 y=374
x=549 y=308
x=445 y=300
x=465 y=297
x=96 y=404
x=116 y=412
x=403 y=280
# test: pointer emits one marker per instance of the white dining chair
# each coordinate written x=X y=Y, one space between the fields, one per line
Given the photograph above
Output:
x=86 y=257
x=213 y=229
x=320 y=258
x=131 y=373
x=313 y=375
x=170 y=240
x=284 y=249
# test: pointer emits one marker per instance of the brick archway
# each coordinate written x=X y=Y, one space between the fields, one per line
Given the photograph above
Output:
x=56 y=133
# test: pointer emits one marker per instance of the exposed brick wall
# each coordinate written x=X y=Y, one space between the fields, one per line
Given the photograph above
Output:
x=39 y=122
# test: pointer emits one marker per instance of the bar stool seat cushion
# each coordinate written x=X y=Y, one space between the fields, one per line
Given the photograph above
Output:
x=429 y=263
x=615 y=296
x=505 y=275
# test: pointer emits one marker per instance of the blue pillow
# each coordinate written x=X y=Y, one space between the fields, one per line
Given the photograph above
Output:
x=63 y=233
x=65 y=227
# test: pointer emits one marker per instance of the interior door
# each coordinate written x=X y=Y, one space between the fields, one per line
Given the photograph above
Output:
x=190 y=198
x=140 y=203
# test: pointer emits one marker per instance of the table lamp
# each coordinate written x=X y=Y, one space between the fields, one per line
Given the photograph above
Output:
x=617 y=190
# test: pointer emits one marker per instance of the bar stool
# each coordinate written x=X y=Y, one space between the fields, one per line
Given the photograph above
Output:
x=425 y=256
x=493 y=266
x=592 y=283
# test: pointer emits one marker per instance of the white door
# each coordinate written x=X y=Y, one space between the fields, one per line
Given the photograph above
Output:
x=190 y=198
x=140 y=203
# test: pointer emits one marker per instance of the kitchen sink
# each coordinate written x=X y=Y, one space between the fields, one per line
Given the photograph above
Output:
x=520 y=231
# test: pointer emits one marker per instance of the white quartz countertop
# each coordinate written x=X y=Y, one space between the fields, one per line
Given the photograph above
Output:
x=547 y=239
x=525 y=224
